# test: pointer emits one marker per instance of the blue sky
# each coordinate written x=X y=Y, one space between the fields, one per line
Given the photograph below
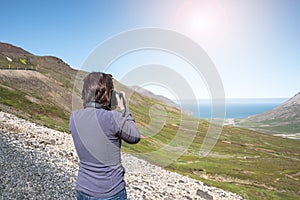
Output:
x=254 y=44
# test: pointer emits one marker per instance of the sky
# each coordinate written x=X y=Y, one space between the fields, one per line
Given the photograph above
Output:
x=253 y=44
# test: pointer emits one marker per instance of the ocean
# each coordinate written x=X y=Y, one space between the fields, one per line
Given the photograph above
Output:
x=235 y=108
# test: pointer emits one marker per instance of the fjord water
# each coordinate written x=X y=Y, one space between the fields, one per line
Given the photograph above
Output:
x=235 y=108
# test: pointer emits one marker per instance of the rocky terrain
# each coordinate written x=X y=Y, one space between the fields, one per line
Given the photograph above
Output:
x=41 y=163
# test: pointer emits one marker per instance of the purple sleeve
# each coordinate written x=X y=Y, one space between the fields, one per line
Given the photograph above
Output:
x=126 y=126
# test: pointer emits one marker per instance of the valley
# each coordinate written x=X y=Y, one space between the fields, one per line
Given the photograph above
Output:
x=252 y=164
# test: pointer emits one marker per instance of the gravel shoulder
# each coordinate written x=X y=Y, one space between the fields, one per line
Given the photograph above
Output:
x=40 y=163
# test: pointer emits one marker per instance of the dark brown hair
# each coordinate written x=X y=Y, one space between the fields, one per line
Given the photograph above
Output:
x=97 y=87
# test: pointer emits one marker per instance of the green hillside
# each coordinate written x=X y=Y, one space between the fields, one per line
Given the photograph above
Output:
x=284 y=120
x=251 y=164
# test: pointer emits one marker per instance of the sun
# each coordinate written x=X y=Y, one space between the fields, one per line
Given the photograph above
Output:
x=202 y=23
x=201 y=19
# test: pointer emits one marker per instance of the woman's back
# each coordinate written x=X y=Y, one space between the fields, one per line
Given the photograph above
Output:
x=96 y=141
x=97 y=132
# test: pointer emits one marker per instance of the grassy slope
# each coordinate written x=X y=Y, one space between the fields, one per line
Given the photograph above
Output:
x=284 y=119
x=45 y=114
x=254 y=165
x=274 y=126
x=51 y=87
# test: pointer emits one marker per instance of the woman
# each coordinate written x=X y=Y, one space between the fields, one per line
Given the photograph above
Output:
x=97 y=131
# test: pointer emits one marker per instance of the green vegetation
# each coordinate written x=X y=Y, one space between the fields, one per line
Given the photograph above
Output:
x=19 y=62
x=283 y=120
x=45 y=114
x=273 y=126
x=251 y=164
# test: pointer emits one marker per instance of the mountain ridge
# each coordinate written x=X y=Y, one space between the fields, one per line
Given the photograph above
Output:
x=154 y=96
x=283 y=119
x=8 y=48
x=242 y=161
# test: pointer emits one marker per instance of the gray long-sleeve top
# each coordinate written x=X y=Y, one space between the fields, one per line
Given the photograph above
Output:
x=97 y=135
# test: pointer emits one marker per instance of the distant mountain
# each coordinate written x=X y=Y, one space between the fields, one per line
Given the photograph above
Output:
x=154 y=96
x=44 y=95
x=280 y=120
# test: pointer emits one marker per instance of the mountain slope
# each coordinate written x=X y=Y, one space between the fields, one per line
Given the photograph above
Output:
x=43 y=96
x=252 y=164
x=8 y=48
x=284 y=119
x=154 y=96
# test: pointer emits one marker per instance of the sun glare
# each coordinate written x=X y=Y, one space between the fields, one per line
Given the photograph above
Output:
x=201 y=23
x=201 y=19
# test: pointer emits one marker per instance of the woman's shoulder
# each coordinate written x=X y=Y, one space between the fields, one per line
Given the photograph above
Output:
x=75 y=112
x=102 y=113
x=93 y=111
